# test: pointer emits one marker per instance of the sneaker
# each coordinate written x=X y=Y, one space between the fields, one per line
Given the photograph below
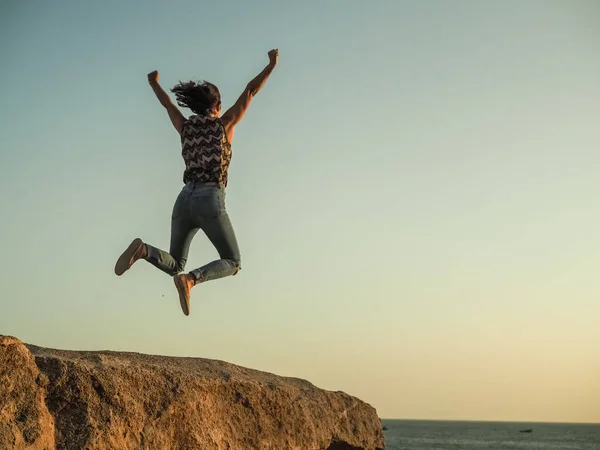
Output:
x=136 y=250
x=184 y=284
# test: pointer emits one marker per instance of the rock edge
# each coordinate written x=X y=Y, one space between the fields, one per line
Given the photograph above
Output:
x=57 y=399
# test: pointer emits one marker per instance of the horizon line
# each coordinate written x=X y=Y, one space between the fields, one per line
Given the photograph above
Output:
x=491 y=421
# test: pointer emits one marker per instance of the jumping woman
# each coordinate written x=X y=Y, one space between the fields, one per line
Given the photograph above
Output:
x=206 y=149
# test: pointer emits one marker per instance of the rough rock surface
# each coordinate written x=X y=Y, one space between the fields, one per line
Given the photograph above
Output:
x=24 y=418
x=54 y=399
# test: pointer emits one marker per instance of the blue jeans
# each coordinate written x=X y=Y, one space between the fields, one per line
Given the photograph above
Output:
x=199 y=207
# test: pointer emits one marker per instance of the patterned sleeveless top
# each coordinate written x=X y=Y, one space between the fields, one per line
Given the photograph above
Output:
x=205 y=150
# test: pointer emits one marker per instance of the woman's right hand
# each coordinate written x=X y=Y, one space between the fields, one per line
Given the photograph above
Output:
x=273 y=56
x=153 y=77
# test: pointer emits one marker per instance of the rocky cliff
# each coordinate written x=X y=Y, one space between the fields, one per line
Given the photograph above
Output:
x=53 y=399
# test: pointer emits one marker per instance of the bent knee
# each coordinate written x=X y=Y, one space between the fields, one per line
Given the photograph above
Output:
x=180 y=265
x=237 y=264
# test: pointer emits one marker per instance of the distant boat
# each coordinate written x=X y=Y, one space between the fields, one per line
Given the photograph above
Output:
x=526 y=431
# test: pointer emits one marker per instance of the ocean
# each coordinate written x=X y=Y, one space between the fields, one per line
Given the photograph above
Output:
x=444 y=435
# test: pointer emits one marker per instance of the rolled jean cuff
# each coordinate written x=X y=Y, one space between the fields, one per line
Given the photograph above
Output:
x=153 y=253
x=198 y=275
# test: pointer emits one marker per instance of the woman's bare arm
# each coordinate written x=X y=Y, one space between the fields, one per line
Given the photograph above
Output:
x=174 y=114
x=234 y=114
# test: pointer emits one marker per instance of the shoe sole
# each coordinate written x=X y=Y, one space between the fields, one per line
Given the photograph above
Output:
x=123 y=262
x=183 y=301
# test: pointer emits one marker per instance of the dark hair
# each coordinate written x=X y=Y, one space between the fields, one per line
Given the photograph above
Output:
x=201 y=98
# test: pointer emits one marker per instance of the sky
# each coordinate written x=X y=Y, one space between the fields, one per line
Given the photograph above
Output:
x=414 y=191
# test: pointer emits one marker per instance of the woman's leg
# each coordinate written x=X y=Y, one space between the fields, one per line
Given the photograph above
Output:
x=220 y=232
x=174 y=261
x=212 y=217
x=182 y=233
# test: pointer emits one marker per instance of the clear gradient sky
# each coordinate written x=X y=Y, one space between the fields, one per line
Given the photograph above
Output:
x=415 y=193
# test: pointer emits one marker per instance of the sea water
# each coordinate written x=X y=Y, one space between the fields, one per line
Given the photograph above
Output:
x=436 y=435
